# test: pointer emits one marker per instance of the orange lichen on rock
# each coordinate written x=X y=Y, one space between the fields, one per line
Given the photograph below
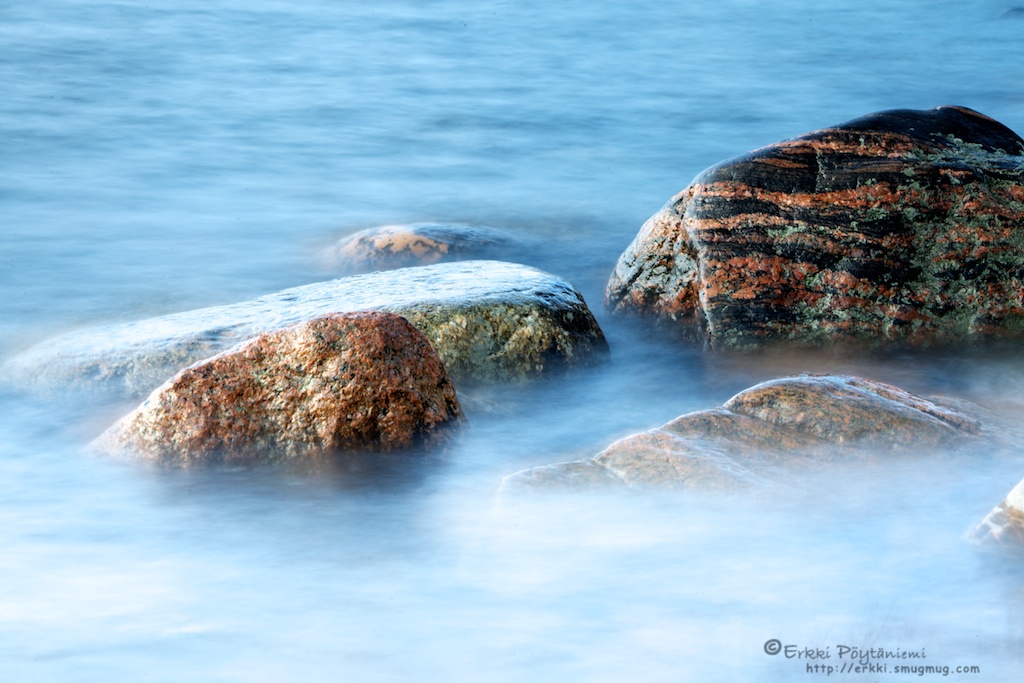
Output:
x=365 y=380
x=817 y=239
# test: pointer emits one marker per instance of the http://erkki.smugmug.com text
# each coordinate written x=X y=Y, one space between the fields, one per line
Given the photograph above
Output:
x=852 y=659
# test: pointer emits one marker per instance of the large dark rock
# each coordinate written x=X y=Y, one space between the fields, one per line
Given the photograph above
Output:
x=764 y=432
x=488 y=321
x=899 y=226
x=340 y=382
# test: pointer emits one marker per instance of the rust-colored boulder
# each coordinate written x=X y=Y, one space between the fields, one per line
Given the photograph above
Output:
x=901 y=226
x=365 y=380
x=764 y=432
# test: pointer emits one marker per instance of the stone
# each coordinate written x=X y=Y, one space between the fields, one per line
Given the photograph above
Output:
x=1005 y=524
x=842 y=409
x=765 y=432
x=562 y=476
x=661 y=458
x=351 y=381
x=388 y=247
x=901 y=227
x=488 y=320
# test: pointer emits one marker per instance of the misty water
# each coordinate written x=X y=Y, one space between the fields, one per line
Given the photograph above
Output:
x=163 y=156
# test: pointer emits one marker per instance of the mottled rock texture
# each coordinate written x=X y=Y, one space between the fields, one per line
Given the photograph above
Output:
x=765 y=431
x=1005 y=524
x=417 y=244
x=901 y=226
x=347 y=381
x=488 y=320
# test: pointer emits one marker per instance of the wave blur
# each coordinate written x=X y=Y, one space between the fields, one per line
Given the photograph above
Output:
x=165 y=156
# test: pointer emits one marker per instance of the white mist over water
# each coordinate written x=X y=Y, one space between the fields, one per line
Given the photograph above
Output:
x=164 y=156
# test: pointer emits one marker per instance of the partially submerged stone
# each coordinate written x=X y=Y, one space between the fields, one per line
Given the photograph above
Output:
x=561 y=476
x=766 y=431
x=1005 y=524
x=850 y=409
x=738 y=433
x=388 y=247
x=664 y=459
x=363 y=380
x=488 y=321
x=901 y=226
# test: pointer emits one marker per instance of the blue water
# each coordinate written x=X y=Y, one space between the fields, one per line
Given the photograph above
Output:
x=161 y=156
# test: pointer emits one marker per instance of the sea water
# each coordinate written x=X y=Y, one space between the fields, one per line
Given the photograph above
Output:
x=162 y=156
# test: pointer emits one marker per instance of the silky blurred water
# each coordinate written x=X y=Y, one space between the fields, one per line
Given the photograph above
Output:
x=159 y=156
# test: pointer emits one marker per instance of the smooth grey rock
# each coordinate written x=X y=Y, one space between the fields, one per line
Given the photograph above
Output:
x=487 y=320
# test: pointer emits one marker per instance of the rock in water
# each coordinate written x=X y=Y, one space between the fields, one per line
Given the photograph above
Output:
x=1005 y=524
x=763 y=432
x=488 y=320
x=843 y=409
x=418 y=244
x=898 y=226
x=347 y=381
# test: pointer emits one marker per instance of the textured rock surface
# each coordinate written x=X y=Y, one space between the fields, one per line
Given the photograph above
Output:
x=488 y=320
x=417 y=244
x=1005 y=524
x=898 y=226
x=345 y=381
x=762 y=432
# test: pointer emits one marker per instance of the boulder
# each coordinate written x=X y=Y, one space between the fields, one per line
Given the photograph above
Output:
x=1005 y=524
x=899 y=227
x=764 y=432
x=488 y=321
x=417 y=244
x=364 y=380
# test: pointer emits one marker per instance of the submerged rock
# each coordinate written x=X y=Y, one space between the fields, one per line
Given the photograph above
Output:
x=346 y=381
x=843 y=409
x=765 y=431
x=488 y=321
x=1005 y=524
x=417 y=244
x=898 y=226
